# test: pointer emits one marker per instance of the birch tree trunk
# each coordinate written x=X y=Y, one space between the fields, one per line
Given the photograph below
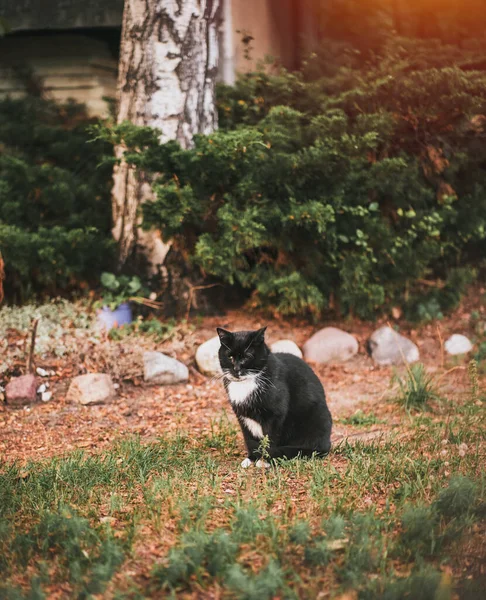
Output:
x=167 y=73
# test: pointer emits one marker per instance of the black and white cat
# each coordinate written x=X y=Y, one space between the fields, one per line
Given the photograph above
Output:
x=277 y=395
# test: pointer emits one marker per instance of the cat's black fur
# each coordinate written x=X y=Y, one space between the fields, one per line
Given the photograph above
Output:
x=288 y=401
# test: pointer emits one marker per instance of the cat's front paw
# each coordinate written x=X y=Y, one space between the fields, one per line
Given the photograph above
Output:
x=246 y=463
x=262 y=464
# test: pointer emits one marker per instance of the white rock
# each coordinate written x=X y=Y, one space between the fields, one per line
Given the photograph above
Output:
x=330 y=344
x=287 y=346
x=387 y=347
x=46 y=396
x=42 y=388
x=458 y=344
x=93 y=388
x=42 y=372
x=207 y=359
x=159 y=369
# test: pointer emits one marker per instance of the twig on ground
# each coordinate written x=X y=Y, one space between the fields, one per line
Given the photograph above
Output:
x=2 y=277
x=460 y=367
x=30 y=360
x=441 y=341
x=196 y=288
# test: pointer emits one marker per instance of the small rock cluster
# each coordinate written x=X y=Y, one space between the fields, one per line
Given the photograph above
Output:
x=385 y=346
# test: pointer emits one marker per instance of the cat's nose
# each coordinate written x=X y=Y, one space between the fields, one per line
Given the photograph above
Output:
x=237 y=370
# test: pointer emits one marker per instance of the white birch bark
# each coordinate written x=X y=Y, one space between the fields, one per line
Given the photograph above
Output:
x=167 y=73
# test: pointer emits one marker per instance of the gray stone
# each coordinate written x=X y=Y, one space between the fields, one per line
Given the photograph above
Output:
x=387 y=347
x=21 y=390
x=287 y=346
x=207 y=359
x=330 y=344
x=458 y=344
x=159 y=369
x=93 y=388
x=46 y=396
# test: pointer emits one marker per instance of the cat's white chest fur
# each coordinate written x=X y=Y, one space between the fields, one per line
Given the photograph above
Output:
x=240 y=391
x=253 y=427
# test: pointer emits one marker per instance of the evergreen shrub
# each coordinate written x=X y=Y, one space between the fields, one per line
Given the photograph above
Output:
x=351 y=184
x=55 y=209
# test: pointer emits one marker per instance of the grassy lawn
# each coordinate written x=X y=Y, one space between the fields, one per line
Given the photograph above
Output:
x=400 y=517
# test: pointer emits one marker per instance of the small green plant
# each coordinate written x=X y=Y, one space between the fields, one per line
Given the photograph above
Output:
x=300 y=533
x=222 y=435
x=418 y=535
x=198 y=549
x=361 y=419
x=221 y=552
x=429 y=310
x=263 y=447
x=459 y=498
x=247 y=524
x=417 y=388
x=317 y=553
x=472 y=371
x=334 y=527
x=117 y=290
x=363 y=552
x=262 y=586
x=152 y=327
x=422 y=584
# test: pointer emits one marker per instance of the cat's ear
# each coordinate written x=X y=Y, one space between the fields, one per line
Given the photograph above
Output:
x=225 y=337
x=259 y=336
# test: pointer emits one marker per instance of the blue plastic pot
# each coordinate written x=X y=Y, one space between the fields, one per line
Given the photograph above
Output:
x=122 y=315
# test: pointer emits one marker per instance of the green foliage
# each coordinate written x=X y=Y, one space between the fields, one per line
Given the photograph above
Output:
x=359 y=418
x=363 y=551
x=417 y=388
x=262 y=586
x=317 y=553
x=159 y=330
x=88 y=558
x=334 y=527
x=459 y=498
x=198 y=550
x=422 y=584
x=433 y=304
x=119 y=289
x=418 y=534
x=352 y=181
x=248 y=524
x=54 y=198
x=300 y=533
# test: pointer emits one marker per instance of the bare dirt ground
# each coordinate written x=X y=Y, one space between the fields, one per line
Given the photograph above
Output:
x=57 y=427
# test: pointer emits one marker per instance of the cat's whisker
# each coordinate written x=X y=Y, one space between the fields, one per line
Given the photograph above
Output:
x=218 y=377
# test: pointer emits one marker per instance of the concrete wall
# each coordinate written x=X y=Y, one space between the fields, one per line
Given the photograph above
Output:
x=84 y=68
x=68 y=65
x=270 y=23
